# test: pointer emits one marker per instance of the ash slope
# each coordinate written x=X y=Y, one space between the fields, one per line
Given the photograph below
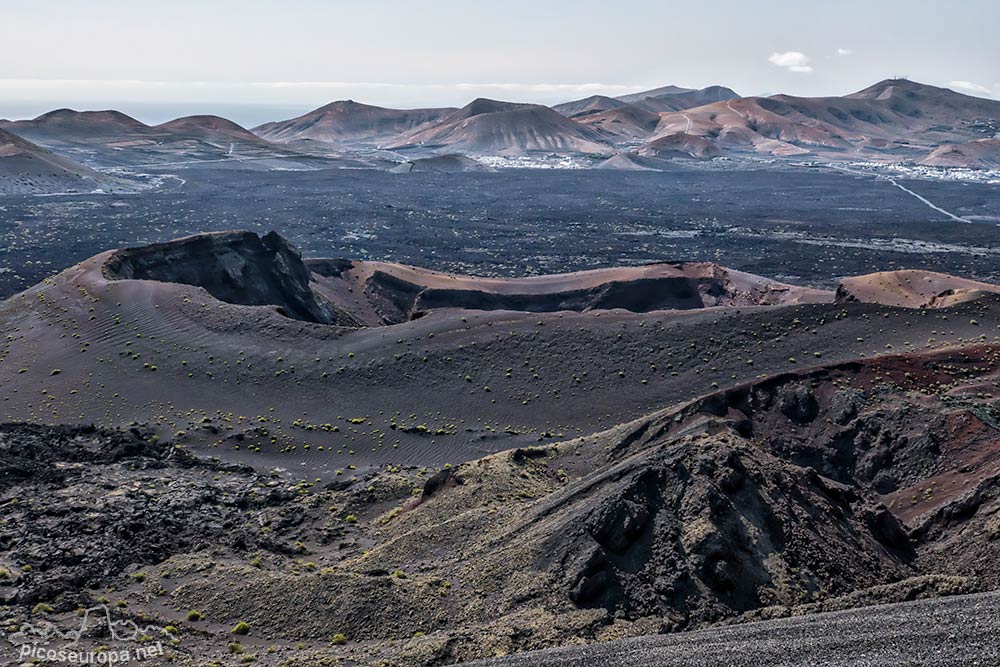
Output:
x=271 y=381
x=26 y=168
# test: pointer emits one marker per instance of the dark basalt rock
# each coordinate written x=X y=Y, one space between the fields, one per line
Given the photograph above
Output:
x=444 y=478
x=237 y=267
x=81 y=506
x=798 y=403
x=710 y=528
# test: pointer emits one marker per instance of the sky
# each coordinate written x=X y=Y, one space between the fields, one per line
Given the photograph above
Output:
x=254 y=60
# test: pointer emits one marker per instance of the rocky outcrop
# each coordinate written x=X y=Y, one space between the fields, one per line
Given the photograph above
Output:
x=237 y=267
x=67 y=469
x=708 y=527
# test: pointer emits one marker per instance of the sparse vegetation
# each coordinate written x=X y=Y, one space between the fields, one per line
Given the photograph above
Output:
x=241 y=628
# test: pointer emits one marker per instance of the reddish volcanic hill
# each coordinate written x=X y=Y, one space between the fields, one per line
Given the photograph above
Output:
x=587 y=106
x=982 y=154
x=755 y=124
x=894 y=118
x=663 y=91
x=209 y=127
x=634 y=117
x=672 y=98
x=904 y=95
x=113 y=139
x=911 y=289
x=493 y=127
x=92 y=121
x=349 y=122
x=623 y=123
x=64 y=125
x=680 y=145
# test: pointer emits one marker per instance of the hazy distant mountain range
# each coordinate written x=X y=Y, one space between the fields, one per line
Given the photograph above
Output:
x=895 y=120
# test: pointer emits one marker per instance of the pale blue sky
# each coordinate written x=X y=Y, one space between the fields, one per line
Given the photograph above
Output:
x=294 y=54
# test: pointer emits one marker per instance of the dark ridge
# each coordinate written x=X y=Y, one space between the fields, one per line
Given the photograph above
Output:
x=237 y=267
x=398 y=298
x=638 y=296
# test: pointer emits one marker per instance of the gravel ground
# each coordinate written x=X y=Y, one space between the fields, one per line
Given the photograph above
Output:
x=952 y=631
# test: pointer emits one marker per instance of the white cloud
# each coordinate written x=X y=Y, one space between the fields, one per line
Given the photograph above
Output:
x=845 y=52
x=793 y=61
x=970 y=87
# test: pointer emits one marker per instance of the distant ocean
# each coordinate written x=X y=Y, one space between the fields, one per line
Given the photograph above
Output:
x=247 y=115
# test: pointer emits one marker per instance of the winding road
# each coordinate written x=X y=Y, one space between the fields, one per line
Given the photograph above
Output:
x=729 y=105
